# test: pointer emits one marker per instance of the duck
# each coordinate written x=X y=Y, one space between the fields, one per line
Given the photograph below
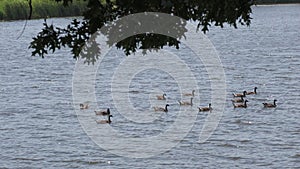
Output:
x=103 y=112
x=244 y=105
x=161 y=108
x=162 y=97
x=83 y=106
x=239 y=94
x=186 y=102
x=253 y=92
x=190 y=94
x=270 y=104
x=238 y=100
x=209 y=108
x=105 y=121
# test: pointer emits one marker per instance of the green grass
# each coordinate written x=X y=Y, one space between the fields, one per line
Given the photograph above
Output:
x=19 y=9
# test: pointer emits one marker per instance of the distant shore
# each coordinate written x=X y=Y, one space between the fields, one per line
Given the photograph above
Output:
x=19 y=9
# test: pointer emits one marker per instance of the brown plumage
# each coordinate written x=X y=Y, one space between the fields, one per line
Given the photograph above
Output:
x=244 y=105
x=238 y=100
x=162 y=97
x=103 y=112
x=253 y=92
x=161 y=108
x=209 y=108
x=186 y=102
x=190 y=94
x=239 y=94
x=105 y=121
x=270 y=104
x=83 y=106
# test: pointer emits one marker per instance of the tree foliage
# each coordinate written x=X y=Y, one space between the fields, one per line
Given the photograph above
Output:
x=101 y=12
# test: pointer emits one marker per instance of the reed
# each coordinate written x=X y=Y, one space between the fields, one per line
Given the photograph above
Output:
x=19 y=9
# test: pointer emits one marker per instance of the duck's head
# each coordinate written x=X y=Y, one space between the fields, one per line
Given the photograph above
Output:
x=167 y=105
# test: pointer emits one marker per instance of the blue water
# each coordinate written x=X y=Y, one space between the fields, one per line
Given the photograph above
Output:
x=39 y=126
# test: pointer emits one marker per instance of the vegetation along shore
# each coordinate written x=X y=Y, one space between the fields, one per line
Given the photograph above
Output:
x=19 y=9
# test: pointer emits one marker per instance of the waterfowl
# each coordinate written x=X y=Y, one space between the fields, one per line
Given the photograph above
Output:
x=209 y=108
x=238 y=100
x=163 y=97
x=244 y=105
x=190 y=94
x=186 y=102
x=103 y=112
x=253 y=92
x=83 y=106
x=105 y=121
x=270 y=104
x=239 y=94
x=161 y=108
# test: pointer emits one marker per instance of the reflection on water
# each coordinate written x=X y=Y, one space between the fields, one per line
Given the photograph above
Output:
x=39 y=126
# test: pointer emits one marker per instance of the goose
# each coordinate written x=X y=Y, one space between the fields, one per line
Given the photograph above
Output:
x=253 y=92
x=83 y=106
x=238 y=100
x=244 y=105
x=270 y=104
x=209 y=108
x=103 y=112
x=239 y=94
x=163 y=97
x=186 y=102
x=190 y=94
x=161 y=108
x=105 y=121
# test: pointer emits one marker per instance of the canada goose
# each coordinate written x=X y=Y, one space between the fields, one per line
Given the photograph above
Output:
x=105 y=121
x=190 y=94
x=253 y=92
x=186 y=102
x=238 y=100
x=270 y=104
x=239 y=94
x=244 y=105
x=163 y=97
x=209 y=108
x=83 y=106
x=161 y=108
x=103 y=112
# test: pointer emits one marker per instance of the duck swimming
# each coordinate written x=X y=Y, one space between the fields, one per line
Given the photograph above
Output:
x=103 y=112
x=105 y=121
x=270 y=104
x=186 y=102
x=209 y=108
x=161 y=108
x=253 y=92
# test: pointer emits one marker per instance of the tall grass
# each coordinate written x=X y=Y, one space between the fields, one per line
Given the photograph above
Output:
x=19 y=9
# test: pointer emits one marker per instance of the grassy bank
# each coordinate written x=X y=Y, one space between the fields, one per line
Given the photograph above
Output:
x=19 y=9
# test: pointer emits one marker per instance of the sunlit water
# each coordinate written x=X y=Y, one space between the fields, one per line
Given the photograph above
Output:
x=39 y=127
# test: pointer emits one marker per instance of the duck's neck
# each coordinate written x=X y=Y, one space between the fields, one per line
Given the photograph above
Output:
x=274 y=102
x=245 y=104
x=255 y=90
x=166 y=108
x=191 y=101
x=109 y=121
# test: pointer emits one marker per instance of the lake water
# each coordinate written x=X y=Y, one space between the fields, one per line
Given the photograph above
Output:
x=40 y=129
